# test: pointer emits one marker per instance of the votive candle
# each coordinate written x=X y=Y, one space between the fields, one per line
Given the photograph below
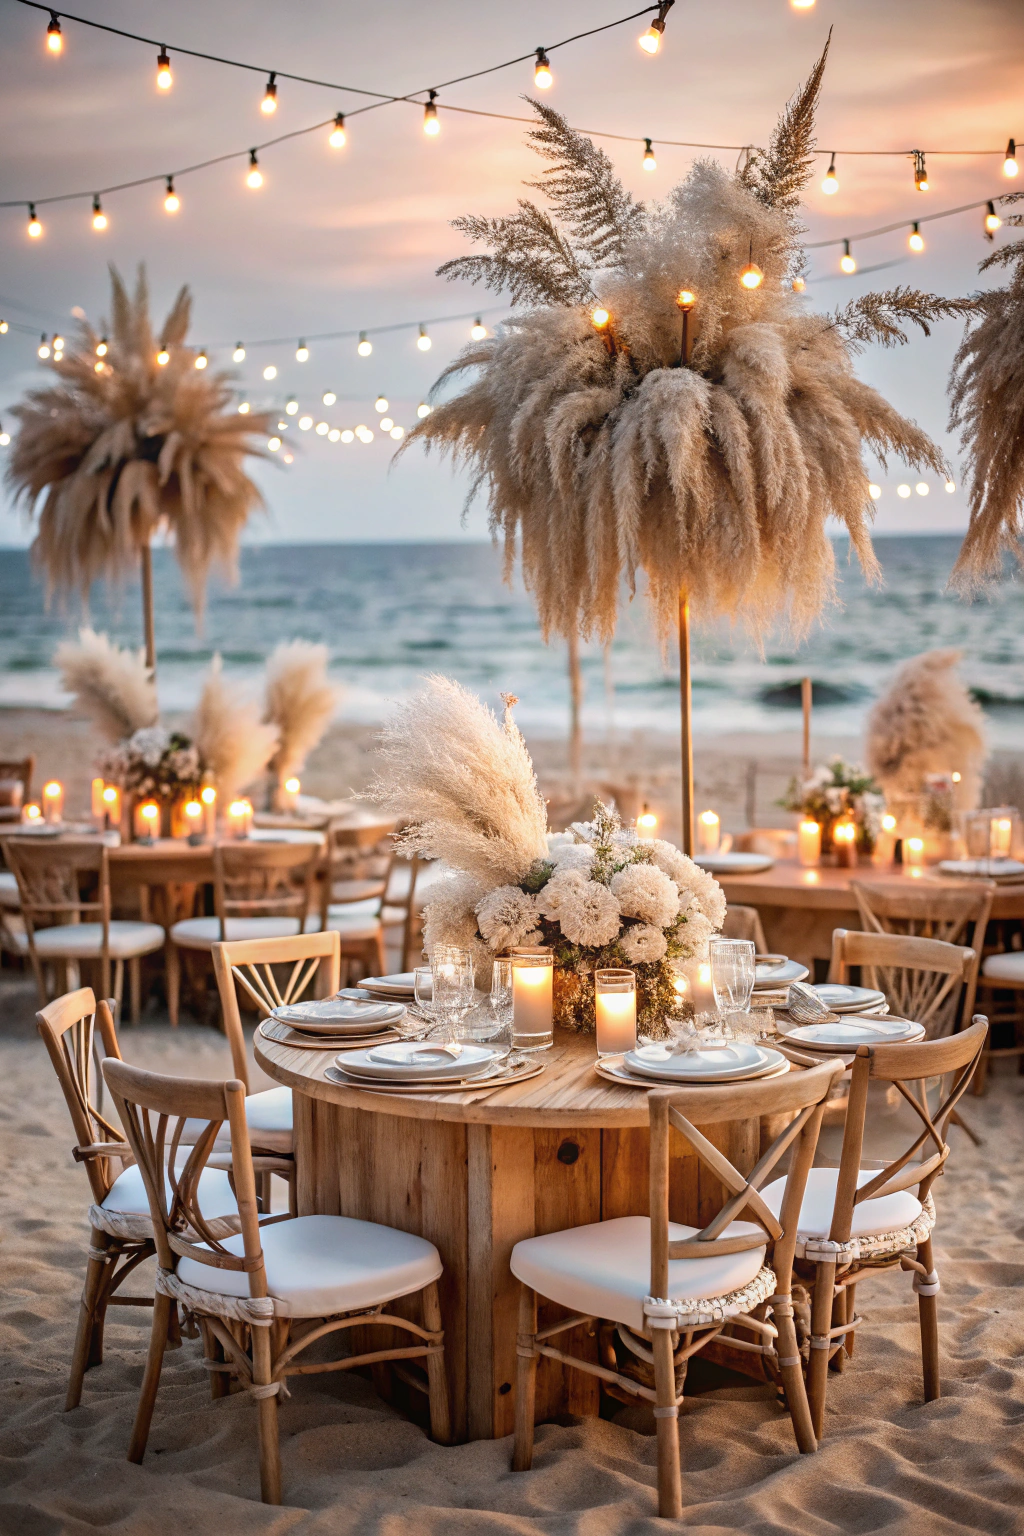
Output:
x=532 y=999
x=709 y=832
x=208 y=795
x=290 y=793
x=844 y=840
x=885 y=842
x=913 y=852
x=240 y=818
x=97 y=808
x=615 y=1011
x=646 y=824
x=193 y=813
x=147 y=821
x=111 y=808
x=53 y=801
x=31 y=812
x=808 y=843
x=1000 y=838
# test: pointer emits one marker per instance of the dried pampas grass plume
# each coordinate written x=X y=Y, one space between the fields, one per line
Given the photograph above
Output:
x=463 y=784
x=113 y=453
x=112 y=686
x=601 y=456
x=234 y=743
x=926 y=723
x=299 y=702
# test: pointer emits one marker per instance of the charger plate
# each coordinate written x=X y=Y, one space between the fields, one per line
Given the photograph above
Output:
x=482 y=1082
x=612 y=1070
x=284 y=1034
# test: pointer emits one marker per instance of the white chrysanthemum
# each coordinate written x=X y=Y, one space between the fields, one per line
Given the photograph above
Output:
x=692 y=881
x=695 y=933
x=449 y=917
x=645 y=891
x=588 y=913
x=644 y=942
x=563 y=886
x=572 y=856
x=506 y=915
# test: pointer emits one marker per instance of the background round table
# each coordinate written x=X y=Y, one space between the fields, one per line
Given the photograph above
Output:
x=475 y=1173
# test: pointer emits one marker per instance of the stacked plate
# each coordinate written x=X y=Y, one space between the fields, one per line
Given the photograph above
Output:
x=777 y=972
x=331 y=1021
x=734 y=863
x=844 y=999
x=396 y=988
x=409 y=1063
x=1010 y=871
x=706 y=1064
x=848 y=1033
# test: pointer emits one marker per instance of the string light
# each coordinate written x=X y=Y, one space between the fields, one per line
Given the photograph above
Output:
x=99 y=218
x=172 y=202
x=305 y=422
x=201 y=359
x=799 y=284
x=322 y=428
x=920 y=171
x=243 y=407
x=269 y=103
x=649 y=162
x=348 y=435
x=380 y=404
x=431 y=123
x=58 y=343
x=273 y=443
x=543 y=79
x=329 y=397
x=847 y=262
x=4 y=327
x=35 y=228
x=1010 y=159
x=992 y=221
x=54 y=36
x=101 y=347
x=478 y=330
x=43 y=349
x=423 y=409
x=5 y=438
x=830 y=186
x=270 y=372
x=650 y=41
x=916 y=240
x=291 y=406
x=396 y=433
x=950 y=486
x=163 y=357
x=802 y=5
x=423 y=340
x=333 y=435
x=338 y=137
x=164 y=78
x=255 y=176
x=922 y=488
x=874 y=491
x=365 y=346
x=238 y=355
x=386 y=423
x=903 y=491
x=751 y=277
x=302 y=353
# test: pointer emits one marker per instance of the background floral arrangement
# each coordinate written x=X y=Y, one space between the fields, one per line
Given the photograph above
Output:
x=465 y=787
x=837 y=789
x=154 y=763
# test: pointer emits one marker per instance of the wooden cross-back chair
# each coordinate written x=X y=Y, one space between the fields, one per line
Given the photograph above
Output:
x=923 y=979
x=671 y=1289
x=324 y=1274
x=859 y=1220
x=956 y=915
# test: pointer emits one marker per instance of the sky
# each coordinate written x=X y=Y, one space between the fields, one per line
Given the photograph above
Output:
x=350 y=239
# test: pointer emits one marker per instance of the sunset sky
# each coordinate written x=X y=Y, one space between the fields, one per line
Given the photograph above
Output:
x=347 y=239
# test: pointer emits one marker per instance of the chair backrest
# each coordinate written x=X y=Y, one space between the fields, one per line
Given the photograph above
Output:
x=908 y=1067
x=801 y=1094
x=21 y=768
x=257 y=879
x=315 y=961
x=745 y=923
x=153 y=1110
x=955 y=914
x=921 y=978
x=350 y=854
x=68 y=1026
x=406 y=903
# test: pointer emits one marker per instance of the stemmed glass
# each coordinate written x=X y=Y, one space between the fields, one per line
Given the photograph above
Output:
x=732 y=975
x=501 y=1005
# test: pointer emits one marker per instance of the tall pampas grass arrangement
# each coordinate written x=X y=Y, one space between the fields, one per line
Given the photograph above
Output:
x=235 y=745
x=111 y=685
x=927 y=723
x=299 y=702
x=603 y=452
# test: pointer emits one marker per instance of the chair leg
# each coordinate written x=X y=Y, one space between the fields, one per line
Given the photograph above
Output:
x=269 y=1439
x=840 y=1315
x=437 y=1380
x=526 y=1381
x=928 y=1313
x=84 y=1337
x=666 y=1414
x=821 y=1321
x=118 y=989
x=135 y=987
x=968 y=1130
x=172 y=973
x=793 y=1381
x=151 y=1380
x=851 y=1313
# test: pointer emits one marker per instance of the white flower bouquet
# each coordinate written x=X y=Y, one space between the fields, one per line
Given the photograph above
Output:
x=153 y=762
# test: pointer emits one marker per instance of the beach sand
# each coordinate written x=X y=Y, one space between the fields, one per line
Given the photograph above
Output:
x=352 y=1467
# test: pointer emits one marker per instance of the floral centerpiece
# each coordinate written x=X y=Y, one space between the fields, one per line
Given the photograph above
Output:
x=597 y=895
x=153 y=764
x=834 y=790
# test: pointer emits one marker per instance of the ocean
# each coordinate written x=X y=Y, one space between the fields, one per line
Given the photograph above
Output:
x=389 y=613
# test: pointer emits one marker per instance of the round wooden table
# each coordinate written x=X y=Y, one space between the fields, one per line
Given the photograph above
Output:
x=475 y=1173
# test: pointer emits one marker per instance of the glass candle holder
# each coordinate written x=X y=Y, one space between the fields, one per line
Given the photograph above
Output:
x=192 y=813
x=31 y=812
x=844 y=841
x=808 y=843
x=1001 y=834
x=913 y=852
x=208 y=796
x=147 y=821
x=111 y=808
x=709 y=832
x=533 y=973
x=615 y=1010
x=53 y=801
x=646 y=824
x=240 y=818
x=290 y=794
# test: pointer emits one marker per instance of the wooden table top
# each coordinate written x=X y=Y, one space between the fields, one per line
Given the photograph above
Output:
x=827 y=889
x=568 y=1093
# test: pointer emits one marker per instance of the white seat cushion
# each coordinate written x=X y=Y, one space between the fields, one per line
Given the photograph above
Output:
x=340 y=920
x=319 y=1265
x=268 y=1116
x=1007 y=967
x=604 y=1270
x=84 y=941
x=204 y=932
x=128 y=1192
x=889 y=1213
x=9 y=897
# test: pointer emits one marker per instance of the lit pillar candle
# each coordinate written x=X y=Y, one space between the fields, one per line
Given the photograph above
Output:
x=147 y=821
x=208 y=795
x=111 y=808
x=709 y=832
x=844 y=840
x=885 y=842
x=808 y=843
x=97 y=808
x=193 y=813
x=532 y=999
x=290 y=794
x=53 y=801
x=239 y=818
x=646 y=824
x=615 y=1010
x=913 y=852
x=1000 y=837
x=31 y=812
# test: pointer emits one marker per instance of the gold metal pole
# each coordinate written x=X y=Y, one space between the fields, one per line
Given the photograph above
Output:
x=686 y=721
x=575 y=711
x=806 y=687
x=146 y=561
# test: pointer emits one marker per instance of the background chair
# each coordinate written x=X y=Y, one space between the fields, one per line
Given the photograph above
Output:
x=745 y=923
x=329 y=1273
x=923 y=979
x=15 y=771
x=628 y=1270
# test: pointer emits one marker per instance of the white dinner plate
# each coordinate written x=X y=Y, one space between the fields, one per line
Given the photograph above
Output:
x=723 y=1063
x=614 y=1068
x=768 y=977
x=983 y=869
x=417 y=1061
x=399 y=985
x=734 y=863
x=339 y=1016
x=856 y=1031
x=844 y=999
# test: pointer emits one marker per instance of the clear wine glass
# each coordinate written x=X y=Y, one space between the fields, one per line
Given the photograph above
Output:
x=732 y=974
x=452 y=972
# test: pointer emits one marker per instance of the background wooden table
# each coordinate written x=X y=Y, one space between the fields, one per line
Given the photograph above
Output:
x=475 y=1174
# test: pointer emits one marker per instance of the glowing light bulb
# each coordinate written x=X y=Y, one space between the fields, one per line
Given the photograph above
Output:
x=301 y=353
x=1010 y=159
x=649 y=161
x=847 y=263
x=329 y=397
x=5 y=438
x=599 y=318
x=478 y=330
x=830 y=186
x=43 y=349
x=397 y=433
x=874 y=491
x=685 y=300
x=305 y=422
x=164 y=78
x=172 y=202
x=799 y=284
x=291 y=406
x=322 y=428
x=102 y=347
x=58 y=342
x=54 y=36
x=922 y=488
x=270 y=372
x=4 y=327
x=903 y=491
x=542 y=76
x=650 y=41
x=916 y=239
x=431 y=124
x=950 y=486
x=333 y=435
x=254 y=178
x=269 y=103
x=163 y=357
x=380 y=404
x=35 y=228
x=201 y=360
x=386 y=423
x=365 y=346
x=802 y=5
x=348 y=435
x=366 y=436
x=238 y=354
x=99 y=218
x=243 y=407
x=338 y=137
x=273 y=443
x=423 y=410
x=920 y=171
x=992 y=220
x=423 y=340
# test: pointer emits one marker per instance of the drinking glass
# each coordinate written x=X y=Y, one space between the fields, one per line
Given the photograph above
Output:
x=423 y=990
x=452 y=973
x=499 y=1036
x=732 y=973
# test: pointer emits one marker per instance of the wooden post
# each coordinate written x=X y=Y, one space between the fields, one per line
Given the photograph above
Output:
x=148 y=624
x=686 y=721
x=575 y=710
x=806 y=687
